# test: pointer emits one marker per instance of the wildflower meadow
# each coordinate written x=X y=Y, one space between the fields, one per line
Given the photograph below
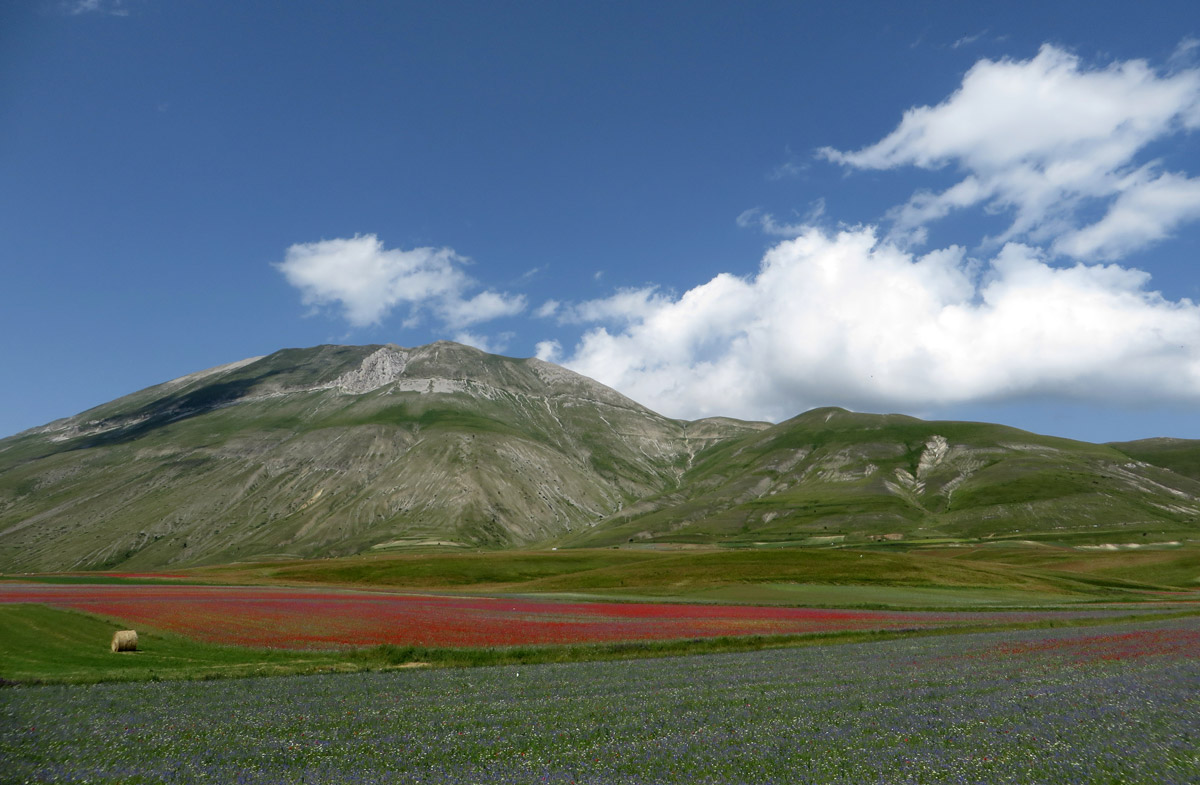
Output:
x=1111 y=704
x=323 y=618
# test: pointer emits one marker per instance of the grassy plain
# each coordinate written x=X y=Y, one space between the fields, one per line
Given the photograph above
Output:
x=971 y=575
x=41 y=644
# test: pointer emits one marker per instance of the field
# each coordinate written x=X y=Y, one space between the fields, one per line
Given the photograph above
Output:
x=1112 y=704
x=270 y=617
x=976 y=665
x=989 y=574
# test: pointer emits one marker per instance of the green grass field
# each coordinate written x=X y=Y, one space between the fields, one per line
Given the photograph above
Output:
x=41 y=644
x=970 y=575
x=820 y=595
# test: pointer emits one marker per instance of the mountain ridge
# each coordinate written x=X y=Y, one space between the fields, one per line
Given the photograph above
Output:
x=336 y=450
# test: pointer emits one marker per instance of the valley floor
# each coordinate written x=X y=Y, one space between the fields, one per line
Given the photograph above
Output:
x=1113 y=703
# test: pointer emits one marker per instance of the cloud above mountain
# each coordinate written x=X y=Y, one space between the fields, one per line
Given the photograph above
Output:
x=845 y=318
x=1045 y=140
x=367 y=282
x=877 y=317
x=857 y=316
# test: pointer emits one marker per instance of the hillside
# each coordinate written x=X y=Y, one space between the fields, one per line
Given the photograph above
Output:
x=1181 y=456
x=340 y=450
x=830 y=476
x=335 y=450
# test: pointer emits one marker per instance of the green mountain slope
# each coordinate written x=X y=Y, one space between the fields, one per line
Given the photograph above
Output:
x=1181 y=456
x=835 y=477
x=335 y=450
x=339 y=450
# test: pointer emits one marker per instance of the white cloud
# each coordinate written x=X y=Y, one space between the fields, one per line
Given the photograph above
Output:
x=494 y=345
x=368 y=281
x=848 y=319
x=1147 y=210
x=550 y=351
x=845 y=319
x=620 y=308
x=547 y=309
x=483 y=307
x=1039 y=139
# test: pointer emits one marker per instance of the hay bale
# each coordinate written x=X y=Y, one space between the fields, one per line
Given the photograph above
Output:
x=124 y=640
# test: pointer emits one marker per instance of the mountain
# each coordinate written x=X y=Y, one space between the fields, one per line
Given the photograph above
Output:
x=336 y=450
x=833 y=476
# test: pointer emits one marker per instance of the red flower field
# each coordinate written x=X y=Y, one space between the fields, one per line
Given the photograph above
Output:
x=304 y=618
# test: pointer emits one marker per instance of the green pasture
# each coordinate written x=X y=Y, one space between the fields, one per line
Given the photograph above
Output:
x=439 y=570
x=968 y=575
x=42 y=644
x=92 y=579
x=834 y=596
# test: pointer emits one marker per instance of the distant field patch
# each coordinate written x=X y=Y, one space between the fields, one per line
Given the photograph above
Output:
x=324 y=619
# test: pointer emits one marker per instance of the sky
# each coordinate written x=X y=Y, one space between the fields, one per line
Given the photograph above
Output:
x=951 y=210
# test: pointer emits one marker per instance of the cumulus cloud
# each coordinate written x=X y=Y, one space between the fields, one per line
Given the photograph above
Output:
x=368 y=281
x=1040 y=139
x=550 y=351
x=856 y=317
x=847 y=319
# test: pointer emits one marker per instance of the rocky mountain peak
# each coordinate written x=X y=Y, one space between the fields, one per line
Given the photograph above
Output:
x=381 y=367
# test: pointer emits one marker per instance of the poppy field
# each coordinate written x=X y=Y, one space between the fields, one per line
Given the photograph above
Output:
x=1111 y=704
x=322 y=619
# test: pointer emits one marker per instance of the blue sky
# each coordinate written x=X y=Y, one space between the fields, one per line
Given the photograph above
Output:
x=748 y=209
